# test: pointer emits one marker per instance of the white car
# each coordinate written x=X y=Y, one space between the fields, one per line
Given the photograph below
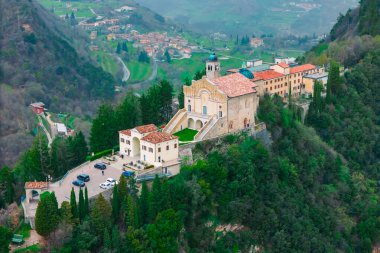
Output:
x=111 y=181
x=105 y=185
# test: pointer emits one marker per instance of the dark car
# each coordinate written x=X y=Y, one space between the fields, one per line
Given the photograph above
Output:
x=100 y=166
x=79 y=183
x=128 y=173
x=83 y=177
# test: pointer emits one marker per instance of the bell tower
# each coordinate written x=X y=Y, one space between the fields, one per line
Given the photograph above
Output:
x=212 y=67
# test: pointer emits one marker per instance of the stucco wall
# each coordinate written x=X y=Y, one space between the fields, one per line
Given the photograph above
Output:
x=241 y=109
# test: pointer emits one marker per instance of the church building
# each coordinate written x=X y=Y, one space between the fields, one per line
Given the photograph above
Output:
x=217 y=105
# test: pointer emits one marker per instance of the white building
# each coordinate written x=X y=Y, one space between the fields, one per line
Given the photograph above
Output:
x=61 y=128
x=149 y=144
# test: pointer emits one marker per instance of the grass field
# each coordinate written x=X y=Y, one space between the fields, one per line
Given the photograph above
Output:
x=186 y=134
x=139 y=71
x=61 y=8
x=106 y=61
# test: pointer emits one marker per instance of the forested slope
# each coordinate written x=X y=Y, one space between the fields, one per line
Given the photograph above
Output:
x=42 y=59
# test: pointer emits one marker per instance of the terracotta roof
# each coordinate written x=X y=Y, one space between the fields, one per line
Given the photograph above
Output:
x=302 y=68
x=158 y=137
x=146 y=128
x=267 y=75
x=36 y=185
x=283 y=65
x=126 y=132
x=234 y=85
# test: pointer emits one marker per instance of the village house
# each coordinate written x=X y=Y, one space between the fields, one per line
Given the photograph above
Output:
x=309 y=81
x=38 y=107
x=256 y=42
x=148 y=144
x=217 y=105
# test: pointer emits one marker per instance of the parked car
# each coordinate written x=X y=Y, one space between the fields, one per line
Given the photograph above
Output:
x=111 y=181
x=79 y=183
x=128 y=173
x=83 y=177
x=105 y=185
x=100 y=166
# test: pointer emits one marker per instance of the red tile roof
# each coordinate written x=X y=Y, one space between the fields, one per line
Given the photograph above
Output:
x=158 y=137
x=146 y=128
x=235 y=85
x=283 y=65
x=126 y=132
x=302 y=68
x=36 y=185
x=267 y=75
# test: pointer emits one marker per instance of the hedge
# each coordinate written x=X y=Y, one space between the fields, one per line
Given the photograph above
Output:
x=99 y=155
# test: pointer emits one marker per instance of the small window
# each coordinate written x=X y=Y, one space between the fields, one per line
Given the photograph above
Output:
x=175 y=145
x=128 y=142
x=220 y=114
x=167 y=147
x=189 y=108
x=122 y=140
x=159 y=149
x=151 y=150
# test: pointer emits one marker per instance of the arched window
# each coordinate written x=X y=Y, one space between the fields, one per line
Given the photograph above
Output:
x=189 y=108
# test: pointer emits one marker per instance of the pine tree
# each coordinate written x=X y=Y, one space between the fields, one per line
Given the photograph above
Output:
x=86 y=203
x=332 y=82
x=145 y=110
x=144 y=203
x=128 y=112
x=73 y=21
x=115 y=204
x=81 y=211
x=168 y=58
x=132 y=187
x=118 y=48
x=54 y=200
x=73 y=204
x=78 y=149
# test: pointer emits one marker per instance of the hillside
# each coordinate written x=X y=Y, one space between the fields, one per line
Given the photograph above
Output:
x=258 y=16
x=42 y=60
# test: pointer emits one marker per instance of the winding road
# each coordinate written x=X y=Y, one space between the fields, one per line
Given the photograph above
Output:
x=126 y=72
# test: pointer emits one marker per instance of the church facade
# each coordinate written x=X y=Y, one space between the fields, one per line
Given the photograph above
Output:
x=217 y=105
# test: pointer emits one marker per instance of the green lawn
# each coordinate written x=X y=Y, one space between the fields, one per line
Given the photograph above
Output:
x=46 y=124
x=33 y=248
x=186 y=134
x=140 y=71
x=107 y=62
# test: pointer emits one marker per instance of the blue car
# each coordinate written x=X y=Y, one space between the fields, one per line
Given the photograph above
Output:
x=79 y=183
x=83 y=177
x=128 y=173
x=100 y=166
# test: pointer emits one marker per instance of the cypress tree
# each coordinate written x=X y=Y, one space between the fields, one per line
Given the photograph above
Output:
x=332 y=82
x=118 y=48
x=101 y=214
x=81 y=211
x=132 y=213
x=42 y=223
x=115 y=204
x=115 y=239
x=155 y=199
x=144 y=203
x=65 y=212
x=122 y=188
x=86 y=203
x=73 y=204
x=106 y=239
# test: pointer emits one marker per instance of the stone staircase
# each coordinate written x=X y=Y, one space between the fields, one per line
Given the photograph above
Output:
x=206 y=128
x=169 y=128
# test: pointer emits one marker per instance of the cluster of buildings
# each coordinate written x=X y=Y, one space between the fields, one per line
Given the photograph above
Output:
x=98 y=24
x=156 y=43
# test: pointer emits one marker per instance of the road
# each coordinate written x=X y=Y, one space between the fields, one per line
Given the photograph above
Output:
x=45 y=130
x=126 y=72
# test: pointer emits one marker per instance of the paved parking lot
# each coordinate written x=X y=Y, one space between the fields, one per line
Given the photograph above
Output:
x=63 y=190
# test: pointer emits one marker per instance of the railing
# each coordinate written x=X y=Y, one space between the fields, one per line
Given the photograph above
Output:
x=147 y=177
x=173 y=119
x=206 y=128
x=68 y=172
